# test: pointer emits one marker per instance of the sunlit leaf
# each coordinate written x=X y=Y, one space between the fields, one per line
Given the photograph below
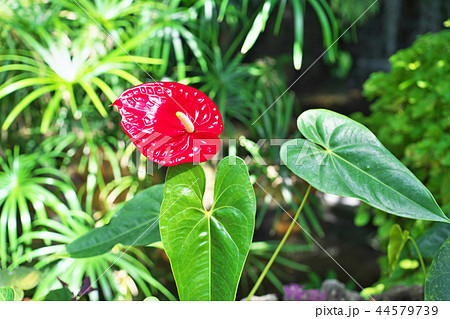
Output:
x=126 y=76
x=258 y=26
x=25 y=102
x=298 y=32
x=105 y=88
x=50 y=111
x=23 y=84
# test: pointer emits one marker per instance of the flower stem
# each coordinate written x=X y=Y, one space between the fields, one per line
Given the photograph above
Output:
x=420 y=256
x=275 y=254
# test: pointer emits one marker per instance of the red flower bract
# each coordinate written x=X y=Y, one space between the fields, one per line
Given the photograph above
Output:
x=170 y=123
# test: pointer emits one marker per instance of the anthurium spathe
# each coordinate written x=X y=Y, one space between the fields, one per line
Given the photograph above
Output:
x=171 y=123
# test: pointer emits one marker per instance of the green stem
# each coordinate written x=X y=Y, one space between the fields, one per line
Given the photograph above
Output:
x=87 y=131
x=420 y=256
x=275 y=254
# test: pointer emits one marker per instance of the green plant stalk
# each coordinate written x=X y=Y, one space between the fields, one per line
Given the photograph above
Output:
x=87 y=130
x=275 y=254
x=420 y=256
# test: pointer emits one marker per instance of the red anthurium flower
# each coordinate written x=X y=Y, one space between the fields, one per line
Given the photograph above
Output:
x=170 y=123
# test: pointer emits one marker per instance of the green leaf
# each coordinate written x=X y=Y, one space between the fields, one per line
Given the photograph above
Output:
x=326 y=28
x=19 y=67
x=151 y=298
x=25 y=278
x=342 y=157
x=25 y=102
x=23 y=84
x=105 y=88
x=397 y=240
x=7 y=294
x=207 y=249
x=279 y=18
x=11 y=294
x=222 y=10
x=18 y=294
x=94 y=98
x=258 y=26
x=136 y=223
x=298 y=10
x=50 y=111
x=430 y=241
x=192 y=42
x=62 y=294
x=19 y=58
x=179 y=54
x=125 y=75
x=437 y=283
x=134 y=59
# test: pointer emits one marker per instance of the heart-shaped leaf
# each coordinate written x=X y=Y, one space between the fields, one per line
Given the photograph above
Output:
x=342 y=157
x=207 y=249
x=397 y=240
x=437 y=283
x=136 y=223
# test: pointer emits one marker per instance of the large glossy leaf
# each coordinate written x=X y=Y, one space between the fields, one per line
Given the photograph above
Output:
x=207 y=249
x=136 y=223
x=342 y=157
x=437 y=283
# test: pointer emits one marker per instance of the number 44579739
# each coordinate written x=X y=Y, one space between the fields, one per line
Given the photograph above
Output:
x=407 y=310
